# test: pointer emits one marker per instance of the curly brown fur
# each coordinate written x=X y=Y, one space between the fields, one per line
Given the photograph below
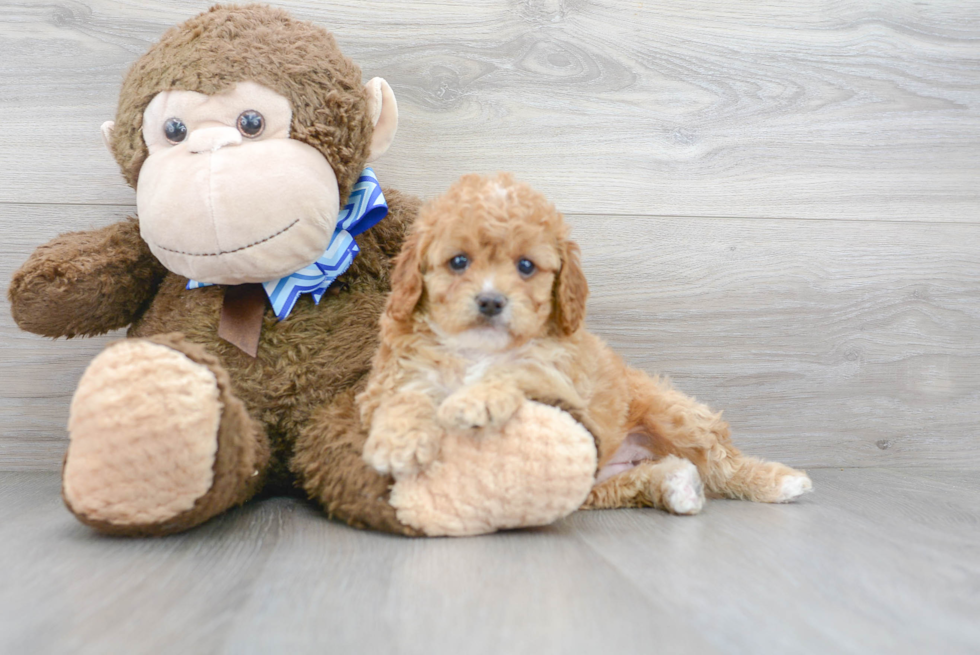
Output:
x=85 y=283
x=302 y=381
x=328 y=461
x=91 y=282
x=214 y=50
x=305 y=363
x=451 y=361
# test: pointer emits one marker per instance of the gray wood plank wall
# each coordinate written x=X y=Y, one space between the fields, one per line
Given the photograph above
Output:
x=778 y=202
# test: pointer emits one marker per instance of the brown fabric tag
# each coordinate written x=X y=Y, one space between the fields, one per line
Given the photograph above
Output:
x=241 y=316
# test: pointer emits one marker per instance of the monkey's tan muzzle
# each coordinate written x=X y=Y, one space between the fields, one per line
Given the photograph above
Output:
x=220 y=210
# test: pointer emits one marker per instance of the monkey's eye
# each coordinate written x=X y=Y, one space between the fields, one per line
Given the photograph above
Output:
x=525 y=266
x=251 y=123
x=459 y=263
x=174 y=130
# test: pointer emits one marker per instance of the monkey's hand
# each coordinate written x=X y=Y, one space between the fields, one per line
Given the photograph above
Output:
x=85 y=283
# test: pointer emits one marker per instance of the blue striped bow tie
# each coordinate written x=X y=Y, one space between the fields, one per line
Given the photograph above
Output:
x=364 y=209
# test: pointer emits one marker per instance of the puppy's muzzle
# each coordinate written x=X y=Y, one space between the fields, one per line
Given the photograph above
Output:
x=491 y=304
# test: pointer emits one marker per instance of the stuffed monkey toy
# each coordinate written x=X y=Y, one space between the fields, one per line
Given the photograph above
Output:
x=251 y=282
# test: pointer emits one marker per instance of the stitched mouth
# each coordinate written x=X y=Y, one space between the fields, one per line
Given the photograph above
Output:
x=228 y=252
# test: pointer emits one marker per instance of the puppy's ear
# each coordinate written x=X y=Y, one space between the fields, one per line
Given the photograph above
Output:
x=406 y=280
x=571 y=290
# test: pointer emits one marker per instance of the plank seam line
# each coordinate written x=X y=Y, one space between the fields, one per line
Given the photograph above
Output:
x=915 y=221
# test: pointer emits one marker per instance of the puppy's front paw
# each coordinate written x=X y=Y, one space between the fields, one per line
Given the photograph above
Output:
x=478 y=407
x=462 y=411
x=401 y=454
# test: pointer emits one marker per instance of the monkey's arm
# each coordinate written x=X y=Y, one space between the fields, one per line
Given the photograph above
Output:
x=85 y=283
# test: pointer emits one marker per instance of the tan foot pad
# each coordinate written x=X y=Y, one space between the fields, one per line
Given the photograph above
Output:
x=143 y=428
x=538 y=468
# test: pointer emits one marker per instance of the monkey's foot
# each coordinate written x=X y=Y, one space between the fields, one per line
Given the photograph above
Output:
x=535 y=469
x=145 y=429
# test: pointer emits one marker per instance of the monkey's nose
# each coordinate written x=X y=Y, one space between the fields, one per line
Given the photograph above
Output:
x=491 y=304
x=212 y=139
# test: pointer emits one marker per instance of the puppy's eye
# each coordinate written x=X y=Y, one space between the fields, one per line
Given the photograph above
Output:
x=459 y=263
x=251 y=123
x=525 y=266
x=174 y=130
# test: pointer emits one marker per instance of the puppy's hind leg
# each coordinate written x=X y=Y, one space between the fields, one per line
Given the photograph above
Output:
x=670 y=483
x=766 y=482
x=679 y=425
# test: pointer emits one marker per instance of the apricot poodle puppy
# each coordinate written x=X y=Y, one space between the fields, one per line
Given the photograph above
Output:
x=486 y=310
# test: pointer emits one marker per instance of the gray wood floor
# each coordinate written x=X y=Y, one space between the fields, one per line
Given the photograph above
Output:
x=877 y=561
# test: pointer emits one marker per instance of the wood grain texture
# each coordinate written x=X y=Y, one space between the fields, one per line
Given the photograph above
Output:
x=512 y=593
x=856 y=568
x=852 y=109
x=827 y=343
x=876 y=560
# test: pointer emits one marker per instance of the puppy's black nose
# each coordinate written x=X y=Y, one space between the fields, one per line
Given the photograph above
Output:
x=491 y=304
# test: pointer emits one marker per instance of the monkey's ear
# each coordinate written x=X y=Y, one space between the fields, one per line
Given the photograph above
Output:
x=107 y=129
x=384 y=114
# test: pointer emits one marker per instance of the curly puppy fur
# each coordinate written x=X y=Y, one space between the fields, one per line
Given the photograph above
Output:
x=486 y=309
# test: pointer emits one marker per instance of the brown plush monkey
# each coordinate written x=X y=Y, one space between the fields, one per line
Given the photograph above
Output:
x=244 y=132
